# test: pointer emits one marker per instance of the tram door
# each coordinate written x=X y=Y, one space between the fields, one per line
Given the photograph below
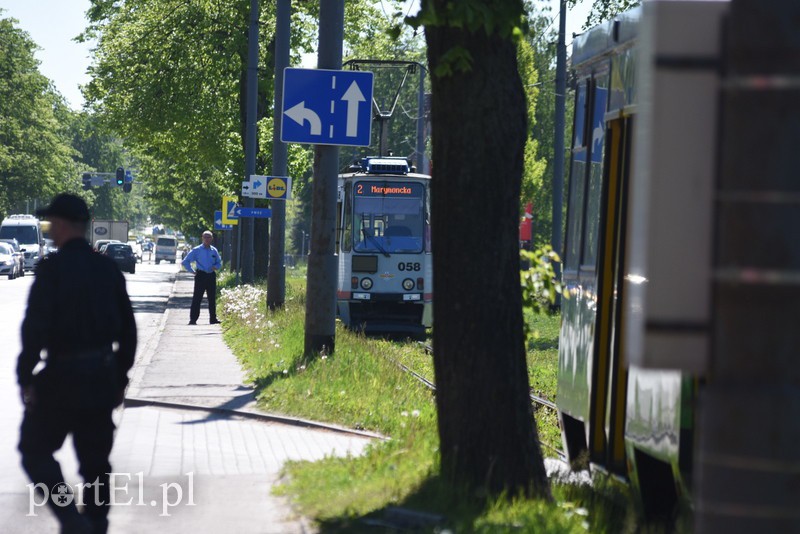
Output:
x=590 y=364
x=610 y=412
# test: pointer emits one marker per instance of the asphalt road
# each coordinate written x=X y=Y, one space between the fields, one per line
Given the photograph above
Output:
x=149 y=289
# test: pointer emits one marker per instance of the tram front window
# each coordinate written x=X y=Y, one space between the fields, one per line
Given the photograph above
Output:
x=388 y=217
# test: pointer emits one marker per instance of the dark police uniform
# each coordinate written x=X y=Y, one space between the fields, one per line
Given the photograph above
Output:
x=77 y=309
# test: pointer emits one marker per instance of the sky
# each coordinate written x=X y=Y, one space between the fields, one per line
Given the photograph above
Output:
x=53 y=25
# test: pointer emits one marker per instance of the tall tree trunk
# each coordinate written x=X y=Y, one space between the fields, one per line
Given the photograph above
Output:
x=486 y=427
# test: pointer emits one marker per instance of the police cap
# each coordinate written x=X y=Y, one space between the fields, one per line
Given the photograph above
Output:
x=66 y=206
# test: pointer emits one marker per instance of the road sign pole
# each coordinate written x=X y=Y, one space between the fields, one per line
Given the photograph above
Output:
x=558 y=142
x=228 y=246
x=276 y=275
x=322 y=267
x=247 y=254
x=238 y=251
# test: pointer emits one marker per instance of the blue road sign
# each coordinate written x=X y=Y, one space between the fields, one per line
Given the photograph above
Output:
x=327 y=107
x=218 y=225
x=258 y=213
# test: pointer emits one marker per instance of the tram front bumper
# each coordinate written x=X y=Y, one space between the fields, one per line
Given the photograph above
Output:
x=386 y=313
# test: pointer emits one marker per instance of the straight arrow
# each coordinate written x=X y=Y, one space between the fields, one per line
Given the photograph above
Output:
x=300 y=113
x=353 y=96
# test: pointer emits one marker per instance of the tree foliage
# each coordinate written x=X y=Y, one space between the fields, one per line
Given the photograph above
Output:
x=540 y=285
x=542 y=40
x=36 y=159
x=603 y=10
x=534 y=164
x=169 y=77
x=99 y=150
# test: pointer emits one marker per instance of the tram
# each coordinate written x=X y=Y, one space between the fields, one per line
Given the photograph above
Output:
x=624 y=406
x=384 y=248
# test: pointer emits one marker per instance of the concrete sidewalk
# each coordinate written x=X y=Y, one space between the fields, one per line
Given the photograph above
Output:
x=217 y=467
x=234 y=461
x=189 y=364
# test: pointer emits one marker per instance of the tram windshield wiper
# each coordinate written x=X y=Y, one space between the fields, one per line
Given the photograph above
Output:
x=377 y=243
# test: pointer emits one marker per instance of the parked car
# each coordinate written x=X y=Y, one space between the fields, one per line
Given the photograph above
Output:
x=100 y=242
x=122 y=254
x=26 y=229
x=18 y=254
x=9 y=262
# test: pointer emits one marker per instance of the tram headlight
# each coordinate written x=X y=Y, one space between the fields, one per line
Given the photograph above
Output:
x=408 y=284
x=366 y=283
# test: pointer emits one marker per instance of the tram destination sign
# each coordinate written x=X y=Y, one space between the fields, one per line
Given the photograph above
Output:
x=388 y=189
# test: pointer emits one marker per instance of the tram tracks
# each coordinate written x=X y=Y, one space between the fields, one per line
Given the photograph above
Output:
x=535 y=399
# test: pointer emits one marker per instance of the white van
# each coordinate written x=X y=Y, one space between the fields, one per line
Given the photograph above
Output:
x=27 y=230
x=166 y=248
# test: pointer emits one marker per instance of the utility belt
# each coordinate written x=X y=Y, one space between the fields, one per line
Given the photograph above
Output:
x=98 y=355
x=92 y=371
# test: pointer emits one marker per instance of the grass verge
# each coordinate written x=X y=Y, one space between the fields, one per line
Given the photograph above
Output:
x=360 y=386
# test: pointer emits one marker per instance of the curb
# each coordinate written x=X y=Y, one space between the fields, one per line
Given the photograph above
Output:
x=132 y=402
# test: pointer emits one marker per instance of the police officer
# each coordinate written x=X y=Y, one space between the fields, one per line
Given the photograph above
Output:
x=207 y=263
x=80 y=314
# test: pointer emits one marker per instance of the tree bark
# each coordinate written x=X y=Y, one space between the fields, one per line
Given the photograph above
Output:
x=486 y=427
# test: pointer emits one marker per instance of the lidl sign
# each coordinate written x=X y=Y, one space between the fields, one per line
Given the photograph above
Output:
x=279 y=188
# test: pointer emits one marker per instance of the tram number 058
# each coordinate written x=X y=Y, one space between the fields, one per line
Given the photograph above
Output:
x=409 y=266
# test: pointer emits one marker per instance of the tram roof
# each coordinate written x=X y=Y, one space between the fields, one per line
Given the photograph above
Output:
x=606 y=37
x=377 y=177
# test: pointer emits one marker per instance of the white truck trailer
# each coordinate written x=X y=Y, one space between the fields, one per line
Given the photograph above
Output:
x=107 y=229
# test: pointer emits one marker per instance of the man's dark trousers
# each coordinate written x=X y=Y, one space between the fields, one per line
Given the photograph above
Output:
x=204 y=283
x=74 y=397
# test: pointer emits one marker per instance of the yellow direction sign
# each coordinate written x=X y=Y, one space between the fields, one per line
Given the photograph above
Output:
x=228 y=207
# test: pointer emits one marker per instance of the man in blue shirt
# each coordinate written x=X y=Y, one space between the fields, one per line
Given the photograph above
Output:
x=207 y=263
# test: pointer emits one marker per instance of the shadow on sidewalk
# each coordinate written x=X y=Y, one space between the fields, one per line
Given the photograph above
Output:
x=154 y=307
x=181 y=303
x=219 y=411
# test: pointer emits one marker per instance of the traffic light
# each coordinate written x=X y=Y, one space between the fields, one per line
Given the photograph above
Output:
x=120 y=176
x=126 y=188
x=87 y=181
